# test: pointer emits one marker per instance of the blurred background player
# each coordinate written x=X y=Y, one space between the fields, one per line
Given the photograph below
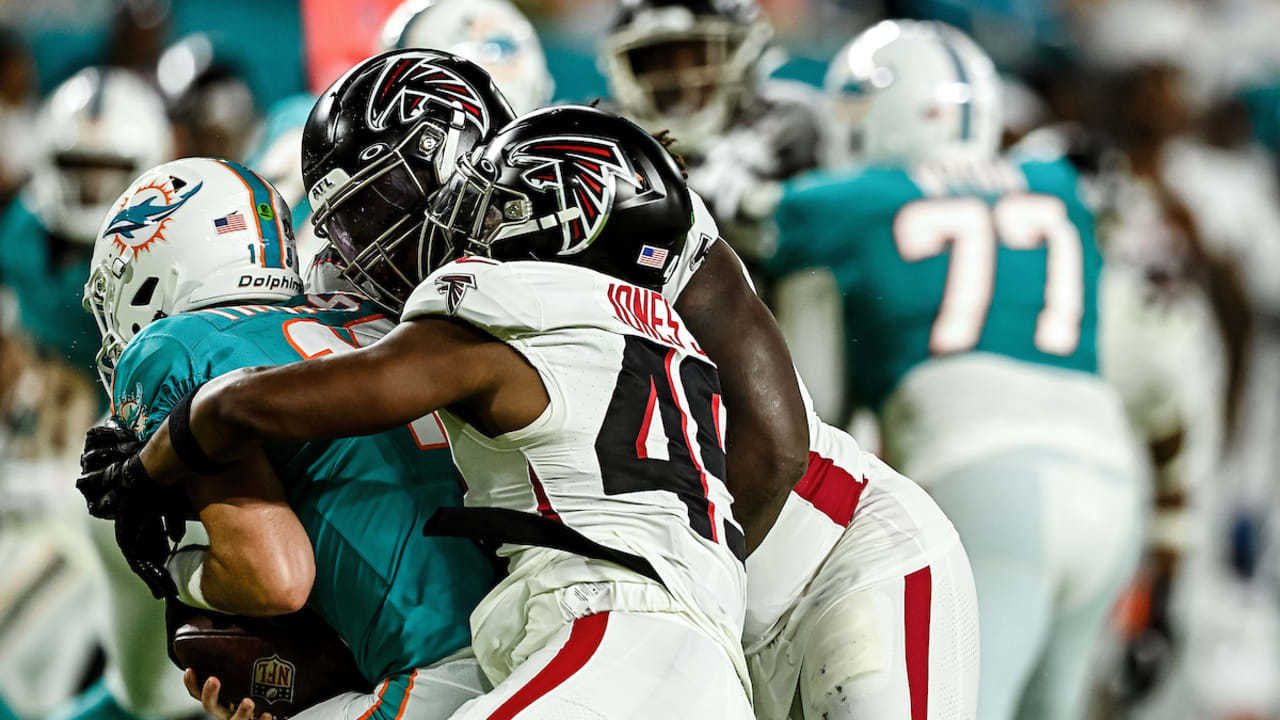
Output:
x=698 y=70
x=93 y=133
x=493 y=34
x=96 y=131
x=969 y=285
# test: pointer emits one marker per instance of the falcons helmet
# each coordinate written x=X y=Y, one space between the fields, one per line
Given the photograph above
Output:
x=378 y=143
x=570 y=184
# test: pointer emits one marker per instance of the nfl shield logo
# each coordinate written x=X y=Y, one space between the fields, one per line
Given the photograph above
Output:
x=273 y=679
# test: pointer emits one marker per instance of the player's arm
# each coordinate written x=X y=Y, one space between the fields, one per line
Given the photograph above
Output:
x=423 y=365
x=768 y=432
x=259 y=560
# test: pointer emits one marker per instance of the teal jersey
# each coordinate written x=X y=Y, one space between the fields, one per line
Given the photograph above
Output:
x=930 y=265
x=49 y=285
x=401 y=600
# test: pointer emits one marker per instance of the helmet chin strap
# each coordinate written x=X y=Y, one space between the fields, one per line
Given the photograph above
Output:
x=545 y=222
x=446 y=157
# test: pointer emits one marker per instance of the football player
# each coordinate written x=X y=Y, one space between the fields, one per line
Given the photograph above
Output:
x=969 y=285
x=194 y=276
x=842 y=497
x=695 y=68
x=493 y=34
x=589 y=437
x=96 y=132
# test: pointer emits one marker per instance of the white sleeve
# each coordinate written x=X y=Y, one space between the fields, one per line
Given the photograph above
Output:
x=493 y=296
x=702 y=235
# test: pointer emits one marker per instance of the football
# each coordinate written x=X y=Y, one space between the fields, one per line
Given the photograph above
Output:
x=284 y=664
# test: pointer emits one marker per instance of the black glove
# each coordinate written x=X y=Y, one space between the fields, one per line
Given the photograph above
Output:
x=110 y=468
x=145 y=535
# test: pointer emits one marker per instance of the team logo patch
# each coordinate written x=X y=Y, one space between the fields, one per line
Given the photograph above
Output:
x=584 y=173
x=142 y=218
x=131 y=410
x=453 y=288
x=273 y=679
x=407 y=86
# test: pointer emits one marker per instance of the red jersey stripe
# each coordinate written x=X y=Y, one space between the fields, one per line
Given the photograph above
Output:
x=584 y=640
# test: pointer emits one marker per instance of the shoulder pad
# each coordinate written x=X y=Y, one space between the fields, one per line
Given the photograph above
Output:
x=494 y=296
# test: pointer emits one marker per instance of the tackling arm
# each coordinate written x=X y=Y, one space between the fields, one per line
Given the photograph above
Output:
x=768 y=430
x=259 y=561
x=421 y=366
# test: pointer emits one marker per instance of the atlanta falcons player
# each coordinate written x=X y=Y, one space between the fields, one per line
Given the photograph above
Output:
x=908 y=593
x=583 y=417
x=377 y=144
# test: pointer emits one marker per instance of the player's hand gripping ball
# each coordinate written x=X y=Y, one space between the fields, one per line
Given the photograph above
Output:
x=283 y=664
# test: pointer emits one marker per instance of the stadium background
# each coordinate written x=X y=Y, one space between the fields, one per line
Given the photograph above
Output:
x=1142 y=76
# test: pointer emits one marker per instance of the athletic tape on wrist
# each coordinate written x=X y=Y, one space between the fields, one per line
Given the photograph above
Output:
x=186 y=567
x=184 y=442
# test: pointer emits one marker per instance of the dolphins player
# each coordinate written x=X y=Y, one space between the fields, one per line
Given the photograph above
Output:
x=969 y=285
x=194 y=275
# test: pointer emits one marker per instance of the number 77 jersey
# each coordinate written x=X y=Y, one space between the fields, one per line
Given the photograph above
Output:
x=996 y=257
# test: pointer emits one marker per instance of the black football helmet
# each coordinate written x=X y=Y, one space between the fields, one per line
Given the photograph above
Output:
x=684 y=65
x=377 y=144
x=570 y=184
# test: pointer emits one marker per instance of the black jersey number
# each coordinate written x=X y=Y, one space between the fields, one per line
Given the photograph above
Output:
x=645 y=441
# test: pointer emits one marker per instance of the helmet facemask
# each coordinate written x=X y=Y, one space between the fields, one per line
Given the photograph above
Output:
x=475 y=212
x=376 y=219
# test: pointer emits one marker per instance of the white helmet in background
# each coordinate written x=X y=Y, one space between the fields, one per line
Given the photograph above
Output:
x=493 y=34
x=187 y=234
x=684 y=65
x=904 y=91
x=97 y=130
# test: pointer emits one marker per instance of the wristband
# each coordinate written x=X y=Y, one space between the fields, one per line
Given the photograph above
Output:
x=184 y=442
x=186 y=567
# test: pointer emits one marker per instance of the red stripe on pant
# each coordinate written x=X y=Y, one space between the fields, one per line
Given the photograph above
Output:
x=584 y=640
x=917 y=597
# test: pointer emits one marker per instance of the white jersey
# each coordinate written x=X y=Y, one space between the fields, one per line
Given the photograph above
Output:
x=628 y=453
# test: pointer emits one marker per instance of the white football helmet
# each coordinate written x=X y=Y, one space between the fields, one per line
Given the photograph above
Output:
x=493 y=34
x=903 y=91
x=188 y=234
x=96 y=131
x=684 y=65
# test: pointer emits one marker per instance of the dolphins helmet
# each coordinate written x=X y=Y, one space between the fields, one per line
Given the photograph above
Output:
x=95 y=131
x=379 y=142
x=493 y=34
x=684 y=65
x=571 y=184
x=903 y=91
x=187 y=234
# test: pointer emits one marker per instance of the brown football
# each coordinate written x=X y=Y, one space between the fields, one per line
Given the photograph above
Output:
x=285 y=664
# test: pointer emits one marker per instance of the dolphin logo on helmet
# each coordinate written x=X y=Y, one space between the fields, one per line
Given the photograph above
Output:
x=146 y=214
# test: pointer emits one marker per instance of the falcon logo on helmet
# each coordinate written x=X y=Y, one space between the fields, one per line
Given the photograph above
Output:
x=454 y=287
x=407 y=85
x=584 y=173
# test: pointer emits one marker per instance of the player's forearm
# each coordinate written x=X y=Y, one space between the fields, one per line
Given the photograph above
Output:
x=357 y=393
x=762 y=476
x=768 y=433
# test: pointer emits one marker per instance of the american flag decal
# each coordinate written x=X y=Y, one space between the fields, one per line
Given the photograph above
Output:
x=651 y=256
x=230 y=223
